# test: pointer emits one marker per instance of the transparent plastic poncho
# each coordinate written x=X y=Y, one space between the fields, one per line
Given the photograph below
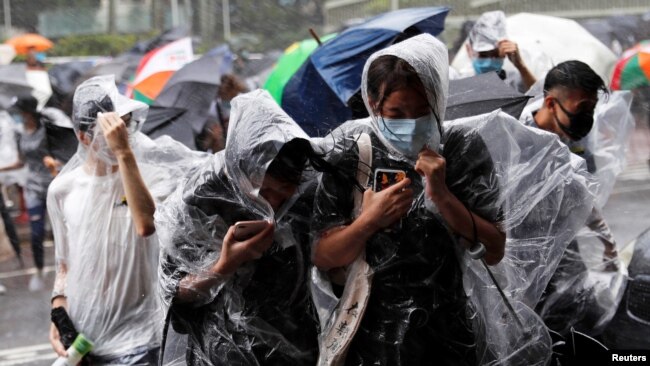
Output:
x=524 y=180
x=261 y=314
x=589 y=284
x=489 y=29
x=106 y=271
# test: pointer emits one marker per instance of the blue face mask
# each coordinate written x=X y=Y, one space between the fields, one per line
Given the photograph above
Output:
x=18 y=118
x=409 y=136
x=483 y=65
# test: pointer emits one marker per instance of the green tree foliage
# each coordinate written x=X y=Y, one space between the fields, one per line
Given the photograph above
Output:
x=94 y=45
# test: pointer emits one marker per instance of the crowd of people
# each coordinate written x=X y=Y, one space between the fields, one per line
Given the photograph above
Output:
x=279 y=249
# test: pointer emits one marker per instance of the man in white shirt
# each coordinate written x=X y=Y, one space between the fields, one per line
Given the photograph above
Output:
x=101 y=211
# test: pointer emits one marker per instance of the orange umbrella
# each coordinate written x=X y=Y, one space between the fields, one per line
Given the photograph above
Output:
x=25 y=42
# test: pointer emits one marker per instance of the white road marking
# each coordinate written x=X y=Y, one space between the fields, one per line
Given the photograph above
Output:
x=25 y=272
x=27 y=354
x=37 y=347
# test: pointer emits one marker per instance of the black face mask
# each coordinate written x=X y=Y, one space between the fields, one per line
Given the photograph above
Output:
x=579 y=123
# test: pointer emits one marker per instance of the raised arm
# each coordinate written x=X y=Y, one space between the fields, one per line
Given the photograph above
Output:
x=511 y=50
x=138 y=198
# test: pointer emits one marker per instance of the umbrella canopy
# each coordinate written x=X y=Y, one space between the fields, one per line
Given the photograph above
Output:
x=318 y=94
x=163 y=121
x=160 y=40
x=633 y=68
x=157 y=67
x=123 y=67
x=181 y=110
x=26 y=42
x=483 y=94
x=13 y=81
x=65 y=76
x=290 y=61
x=62 y=142
x=545 y=41
x=64 y=79
x=16 y=79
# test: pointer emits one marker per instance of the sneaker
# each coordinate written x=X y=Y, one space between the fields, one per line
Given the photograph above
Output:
x=3 y=290
x=36 y=283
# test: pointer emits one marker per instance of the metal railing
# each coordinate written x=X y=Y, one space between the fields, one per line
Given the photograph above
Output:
x=339 y=12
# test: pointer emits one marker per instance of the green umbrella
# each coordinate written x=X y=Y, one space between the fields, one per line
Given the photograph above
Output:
x=294 y=56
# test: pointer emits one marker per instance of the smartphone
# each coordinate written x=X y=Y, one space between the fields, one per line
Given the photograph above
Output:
x=385 y=178
x=245 y=230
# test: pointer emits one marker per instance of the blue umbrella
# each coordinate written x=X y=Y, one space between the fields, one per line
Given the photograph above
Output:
x=317 y=95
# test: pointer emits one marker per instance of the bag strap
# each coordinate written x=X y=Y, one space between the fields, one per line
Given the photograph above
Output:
x=353 y=302
x=364 y=170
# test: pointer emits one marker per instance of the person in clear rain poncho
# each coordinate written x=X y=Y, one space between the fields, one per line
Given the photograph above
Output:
x=489 y=46
x=430 y=316
x=576 y=105
x=244 y=300
x=101 y=207
x=417 y=295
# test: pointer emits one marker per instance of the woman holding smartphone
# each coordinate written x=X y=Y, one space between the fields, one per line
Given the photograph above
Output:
x=234 y=245
x=417 y=311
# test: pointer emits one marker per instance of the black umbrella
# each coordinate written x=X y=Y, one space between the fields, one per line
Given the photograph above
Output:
x=62 y=142
x=64 y=79
x=160 y=40
x=13 y=80
x=192 y=89
x=123 y=67
x=165 y=121
x=61 y=138
x=481 y=94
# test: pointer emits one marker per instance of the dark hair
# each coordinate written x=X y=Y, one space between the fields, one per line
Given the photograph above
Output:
x=389 y=73
x=86 y=114
x=574 y=75
x=290 y=161
x=297 y=155
x=27 y=103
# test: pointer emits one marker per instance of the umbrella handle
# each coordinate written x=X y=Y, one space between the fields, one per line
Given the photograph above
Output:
x=315 y=36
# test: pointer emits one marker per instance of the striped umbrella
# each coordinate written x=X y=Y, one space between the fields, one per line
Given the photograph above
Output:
x=633 y=69
x=157 y=67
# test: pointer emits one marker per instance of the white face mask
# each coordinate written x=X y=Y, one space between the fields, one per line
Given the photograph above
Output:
x=409 y=136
